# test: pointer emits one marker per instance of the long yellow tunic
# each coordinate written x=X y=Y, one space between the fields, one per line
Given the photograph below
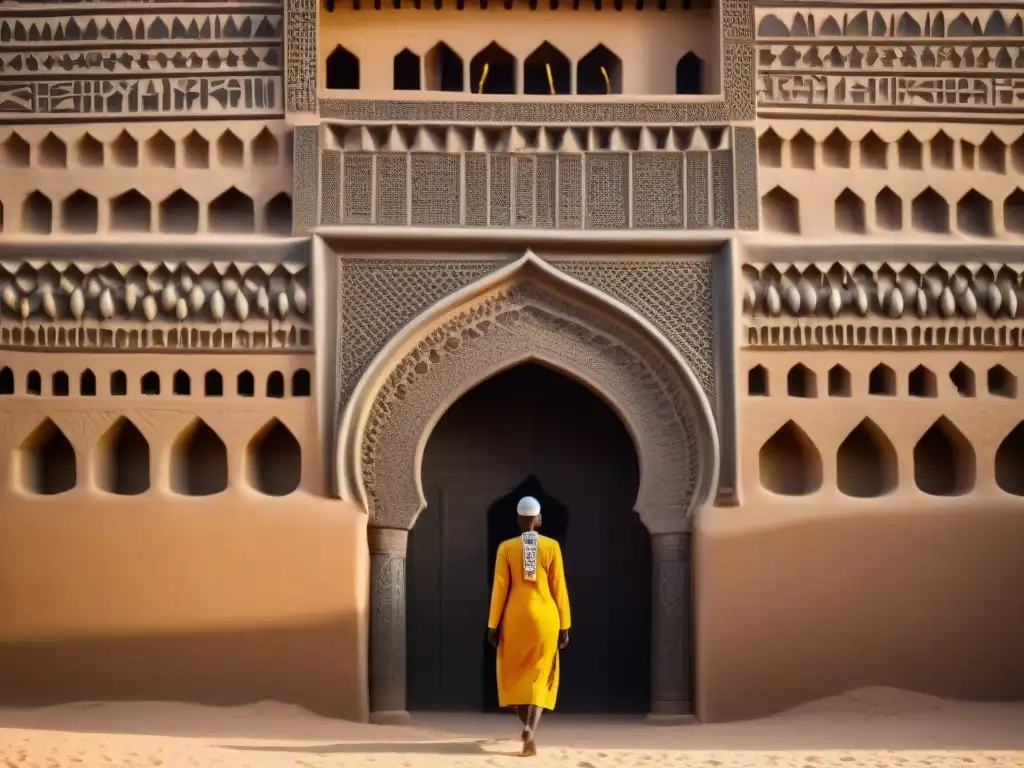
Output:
x=530 y=613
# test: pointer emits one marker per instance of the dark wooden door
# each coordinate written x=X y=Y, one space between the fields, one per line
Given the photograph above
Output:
x=530 y=431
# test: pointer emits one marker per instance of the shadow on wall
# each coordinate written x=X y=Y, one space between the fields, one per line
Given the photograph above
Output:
x=858 y=599
x=313 y=665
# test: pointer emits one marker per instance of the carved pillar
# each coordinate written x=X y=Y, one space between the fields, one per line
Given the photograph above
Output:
x=671 y=657
x=387 y=626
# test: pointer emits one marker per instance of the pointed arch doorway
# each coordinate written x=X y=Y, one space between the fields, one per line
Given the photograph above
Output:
x=528 y=312
x=530 y=430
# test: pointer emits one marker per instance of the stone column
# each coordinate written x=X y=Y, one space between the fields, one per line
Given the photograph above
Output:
x=387 y=626
x=671 y=644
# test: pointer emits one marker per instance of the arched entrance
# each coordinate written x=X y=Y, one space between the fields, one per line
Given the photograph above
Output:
x=532 y=430
x=528 y=311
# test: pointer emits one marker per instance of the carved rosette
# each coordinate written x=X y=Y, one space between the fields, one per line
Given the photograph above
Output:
x=239 y=305
x=521 y=322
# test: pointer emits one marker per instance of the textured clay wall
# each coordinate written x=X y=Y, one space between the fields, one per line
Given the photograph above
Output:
x=173 y=592
x=807 y=589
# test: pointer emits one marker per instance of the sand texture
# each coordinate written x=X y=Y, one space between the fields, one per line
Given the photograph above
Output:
x=868 y=728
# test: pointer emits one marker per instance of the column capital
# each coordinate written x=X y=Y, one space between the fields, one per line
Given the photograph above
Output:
x=388 y=541
x=671 y=546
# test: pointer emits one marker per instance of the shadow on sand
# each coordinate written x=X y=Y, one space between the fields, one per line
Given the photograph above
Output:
x=383 y=747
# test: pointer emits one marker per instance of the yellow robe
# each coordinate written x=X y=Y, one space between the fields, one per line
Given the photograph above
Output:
x=530 y=614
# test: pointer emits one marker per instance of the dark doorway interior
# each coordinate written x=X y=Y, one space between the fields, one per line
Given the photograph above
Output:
x=530 y=431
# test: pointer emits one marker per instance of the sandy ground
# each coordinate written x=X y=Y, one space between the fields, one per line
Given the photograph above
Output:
x=869 y=728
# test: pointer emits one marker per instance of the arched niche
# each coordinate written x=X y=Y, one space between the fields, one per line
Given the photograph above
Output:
x=528 y=311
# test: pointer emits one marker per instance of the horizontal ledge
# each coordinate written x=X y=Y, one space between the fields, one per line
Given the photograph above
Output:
x=376 y=234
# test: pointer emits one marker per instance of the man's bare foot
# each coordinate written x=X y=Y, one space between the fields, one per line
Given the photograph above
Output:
x=529 y=748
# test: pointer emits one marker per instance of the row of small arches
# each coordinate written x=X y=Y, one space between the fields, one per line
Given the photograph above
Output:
x=867 y=464
x=194 y=151
x=231 y=212
x=801 y=381
x=929 y=212
x=48 y=465
x=149 y=384
x=992 y=155
x=493 y=70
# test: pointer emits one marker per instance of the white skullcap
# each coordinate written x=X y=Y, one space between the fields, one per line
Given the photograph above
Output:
x=528 y=507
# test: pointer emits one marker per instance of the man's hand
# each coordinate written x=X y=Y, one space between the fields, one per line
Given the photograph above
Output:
x=492 y=637
x=563 y=638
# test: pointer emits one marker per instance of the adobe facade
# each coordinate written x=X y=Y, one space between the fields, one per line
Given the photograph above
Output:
x=266 y=271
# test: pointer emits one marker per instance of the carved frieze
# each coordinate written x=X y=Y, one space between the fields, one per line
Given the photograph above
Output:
x=87 y=62
x=218 y=305
x=882 y=304
x=905 y=58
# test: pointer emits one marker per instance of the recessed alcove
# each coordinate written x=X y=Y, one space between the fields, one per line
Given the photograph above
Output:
x=232 y=212
x=6 y=381
x=342 y=69
x=131 y=212
x=1010 y=462
x=922 y=383
x=122 y=465
x=493 y=71
x=866 y=462
x=230 y=150
x=689 y=75
x=246 y=384
x=87 y=384
x=839 y=382
x=179 y=214
x=849 y=213
x=757 y=381
x=196 y=151
x=406 y=71
x=181 y=383
x=801 y=381
x=274 y=465
x=60 y=384
x=547 y=72
x=37 y=214
x=1001 y=382
x=213 y=384
x=275 y=384
x=835 y=150
x=944 y=461
x=199 y=461
x=769 y=149
x=599 y=72
x=80 y=213
x=301 y=384
x=118 y=383
x=47 y=461
x=882 y=381
x=963 y=380
x=444 y=69
x=790 y=463
x=34 y=383
x=150 y=383
x=266 y=152
x=781 y=211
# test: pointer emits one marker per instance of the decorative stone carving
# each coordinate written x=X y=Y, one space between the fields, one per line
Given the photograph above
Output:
x=388 y=625
x=671 y=678
x=232 y=64
x=944 y=64
x=517 y=320
x=882 y=305
x=222 y=305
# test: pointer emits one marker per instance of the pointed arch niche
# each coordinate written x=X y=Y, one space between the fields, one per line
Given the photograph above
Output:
x=528 y=311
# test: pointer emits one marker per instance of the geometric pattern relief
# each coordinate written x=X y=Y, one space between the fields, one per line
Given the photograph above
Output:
x=64 y=64
x=883 y=305
x=379 y=297
x=507 y=327
x=937 y=59
x=621 y=189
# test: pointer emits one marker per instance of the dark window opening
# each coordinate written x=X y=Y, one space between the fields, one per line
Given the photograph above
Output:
x=118 y=383
x=689 y=74
x=181 y=384
x=6 y=381
x=246 y=384
x=444 y=69
x=87 y=384
x=493 y=71
x=213 y=384
x=407 y=71
x=547 y=72
x=599 y=73
x=34 y=383
x=301 y=385
x=275 y=384
x=151 y=383
x=60 y=384
x=343 y=70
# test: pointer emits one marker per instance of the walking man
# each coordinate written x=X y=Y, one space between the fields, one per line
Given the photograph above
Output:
x=530 y=603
